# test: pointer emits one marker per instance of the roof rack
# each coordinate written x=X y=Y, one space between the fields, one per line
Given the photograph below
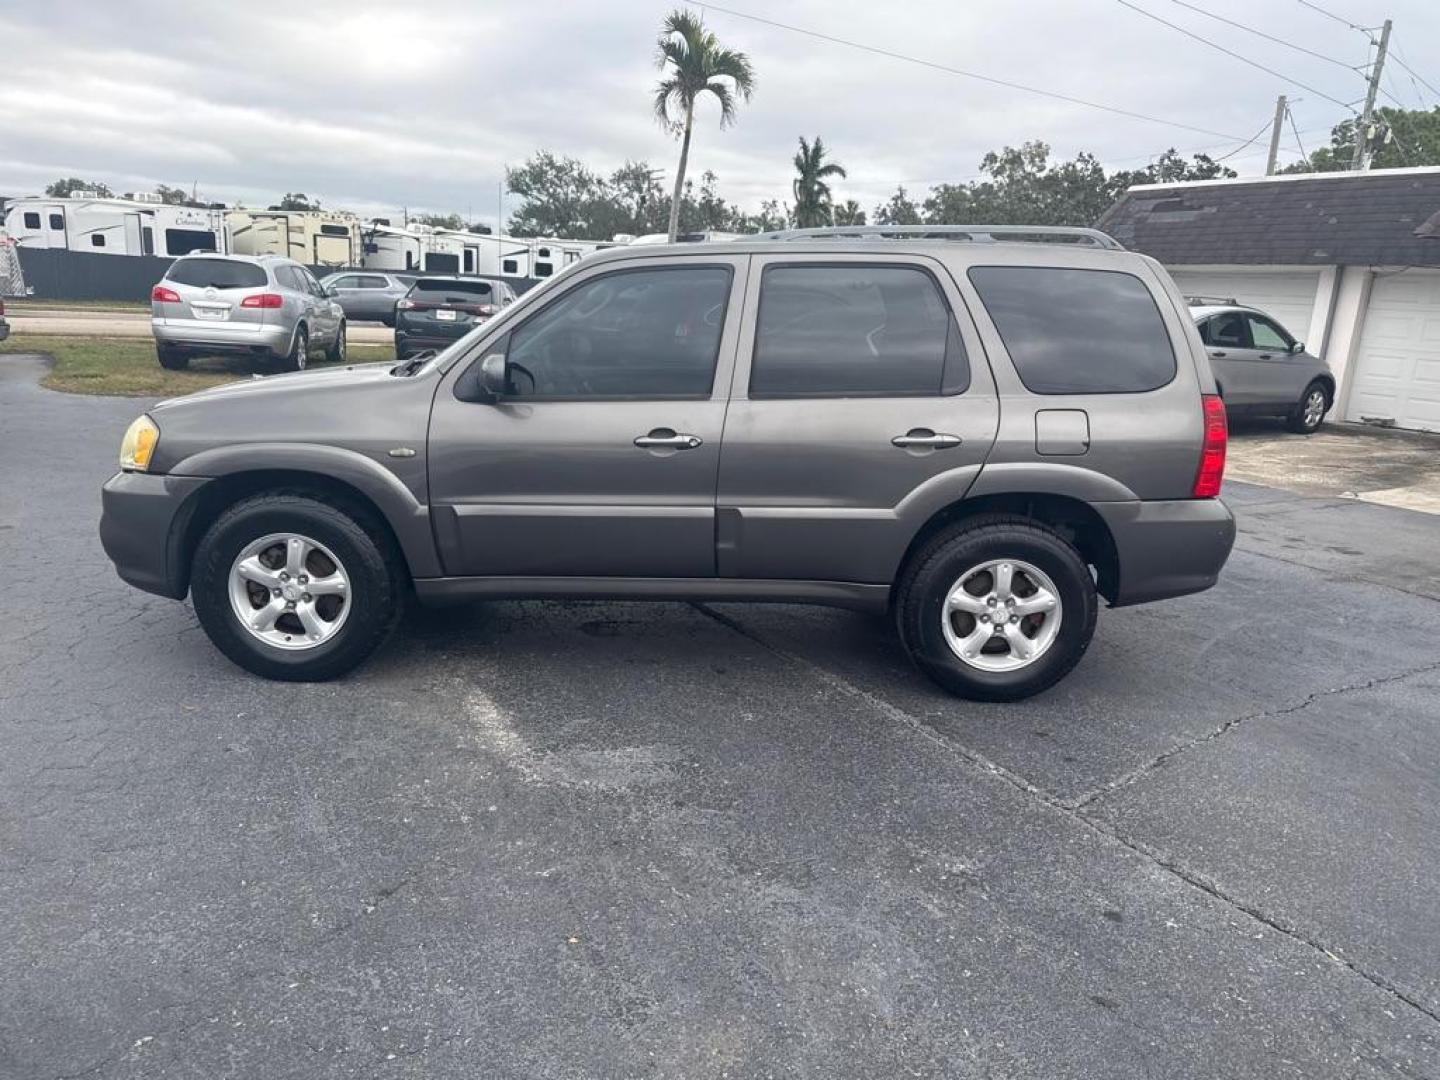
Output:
x=1207 y=301
x=981 y=234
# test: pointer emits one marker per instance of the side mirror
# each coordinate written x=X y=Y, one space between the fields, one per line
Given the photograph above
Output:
x=1298 y=348
x=330 y=291
x=494 y=381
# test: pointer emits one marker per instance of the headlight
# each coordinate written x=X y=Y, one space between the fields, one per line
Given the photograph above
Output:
x=138 y=444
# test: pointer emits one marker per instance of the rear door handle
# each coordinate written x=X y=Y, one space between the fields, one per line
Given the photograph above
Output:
x=924 y=439
x=666 y=439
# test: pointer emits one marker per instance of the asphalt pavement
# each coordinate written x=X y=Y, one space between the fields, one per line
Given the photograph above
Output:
x=622 y=840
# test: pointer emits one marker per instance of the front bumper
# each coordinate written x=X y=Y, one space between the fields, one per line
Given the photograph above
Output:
x=1168 y=548
x=142 y=528
x=206 y=336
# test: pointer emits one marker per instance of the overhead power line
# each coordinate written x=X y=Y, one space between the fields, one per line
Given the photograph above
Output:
x=1226 y=157
x=1415 y=74
x=1230 y=52
x=1053 y=94
x=1267 y=37
x=1337 y=18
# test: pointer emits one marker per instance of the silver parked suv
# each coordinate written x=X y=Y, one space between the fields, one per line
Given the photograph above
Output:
x=264 y=306
x=981 y=431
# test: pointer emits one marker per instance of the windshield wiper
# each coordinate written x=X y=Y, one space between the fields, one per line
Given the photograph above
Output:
x=412 y=363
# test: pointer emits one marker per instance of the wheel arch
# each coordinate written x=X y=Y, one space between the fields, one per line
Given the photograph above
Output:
x=1074 y=519
x=403 y=521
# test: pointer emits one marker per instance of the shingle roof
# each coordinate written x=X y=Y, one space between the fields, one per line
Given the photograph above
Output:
x=1386 y=217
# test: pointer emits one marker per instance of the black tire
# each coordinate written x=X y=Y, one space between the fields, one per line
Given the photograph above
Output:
x=934 y=570
x=171 y=359
x=299 y=353
x=1296 y=419
x=358 y=540
x=336 y=352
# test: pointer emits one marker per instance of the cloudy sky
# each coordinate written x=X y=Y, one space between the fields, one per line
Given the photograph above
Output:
x=374 y=106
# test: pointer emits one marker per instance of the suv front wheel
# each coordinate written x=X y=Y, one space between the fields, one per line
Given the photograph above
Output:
x=996 y=608
x=293 y=588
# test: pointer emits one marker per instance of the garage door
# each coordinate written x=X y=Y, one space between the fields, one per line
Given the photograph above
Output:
x=1286 y=295
x=1397 y=367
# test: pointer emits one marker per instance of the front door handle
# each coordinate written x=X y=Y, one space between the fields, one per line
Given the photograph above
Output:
x=1267 y=356
x=1217 y=354
x=666 y=439
x=924 y=439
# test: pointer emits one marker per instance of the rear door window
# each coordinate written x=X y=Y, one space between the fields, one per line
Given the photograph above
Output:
x=1228 y=330
x=1077 y=331
x=216 y=274
x=854 y=330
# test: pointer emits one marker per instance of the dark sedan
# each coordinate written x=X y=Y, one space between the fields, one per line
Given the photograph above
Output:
x=439 y=310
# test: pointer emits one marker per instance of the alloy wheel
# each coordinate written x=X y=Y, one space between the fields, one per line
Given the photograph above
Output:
x=1001 y=615
x=289 y=591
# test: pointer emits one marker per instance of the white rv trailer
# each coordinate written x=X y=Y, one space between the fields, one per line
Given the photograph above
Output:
x=385 y=247
x=441 y=250
x=106 y=226
x=312 y=237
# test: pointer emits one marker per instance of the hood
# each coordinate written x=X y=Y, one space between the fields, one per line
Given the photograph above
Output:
x=323 y=380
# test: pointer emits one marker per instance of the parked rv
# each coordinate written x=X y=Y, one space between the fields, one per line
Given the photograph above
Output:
x=114 y=226
x=309 y=237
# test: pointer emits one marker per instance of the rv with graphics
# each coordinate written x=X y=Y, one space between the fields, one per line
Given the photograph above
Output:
x=110 y=226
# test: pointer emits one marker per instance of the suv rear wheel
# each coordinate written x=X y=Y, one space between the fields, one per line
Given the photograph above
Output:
x=293 y=588
x=996 y=608
x=171 y=359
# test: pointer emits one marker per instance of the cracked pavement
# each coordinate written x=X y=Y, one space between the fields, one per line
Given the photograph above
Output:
x=625 y=840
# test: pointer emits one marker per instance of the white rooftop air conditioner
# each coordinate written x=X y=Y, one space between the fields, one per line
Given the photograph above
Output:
x=148 y=197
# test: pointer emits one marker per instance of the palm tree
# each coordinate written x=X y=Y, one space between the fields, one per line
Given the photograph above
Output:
x=695 y=63
x=812 y=194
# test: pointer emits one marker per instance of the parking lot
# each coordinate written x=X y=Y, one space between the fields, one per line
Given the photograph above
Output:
x=623 y=840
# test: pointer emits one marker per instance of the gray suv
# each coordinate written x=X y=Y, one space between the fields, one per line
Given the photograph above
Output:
x=264 y=306
x=979 y=431
x=1259 y=366
x=369 y=294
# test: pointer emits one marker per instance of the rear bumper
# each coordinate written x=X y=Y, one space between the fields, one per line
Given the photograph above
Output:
x=142 y=526
x=1168 y=548
x=4 y=329
x=220 y=336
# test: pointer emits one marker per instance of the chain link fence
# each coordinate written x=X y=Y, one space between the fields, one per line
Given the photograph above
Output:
x=12 y=278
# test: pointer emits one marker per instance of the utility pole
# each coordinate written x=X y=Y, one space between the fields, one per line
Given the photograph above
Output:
x=1275 y=135
x=1361 y=159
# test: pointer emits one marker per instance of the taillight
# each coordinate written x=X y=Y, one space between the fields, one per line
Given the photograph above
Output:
x=161 y=295
x=404 y=305
x=486 y=309
x=1211 y=472
x=263 y=300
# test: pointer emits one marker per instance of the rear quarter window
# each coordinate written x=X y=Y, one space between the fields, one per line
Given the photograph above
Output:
x=1077 y=331
x=216 y=274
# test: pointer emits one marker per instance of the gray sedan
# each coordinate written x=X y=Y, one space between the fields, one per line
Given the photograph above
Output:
x=1260 y=367
x=369 y=295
